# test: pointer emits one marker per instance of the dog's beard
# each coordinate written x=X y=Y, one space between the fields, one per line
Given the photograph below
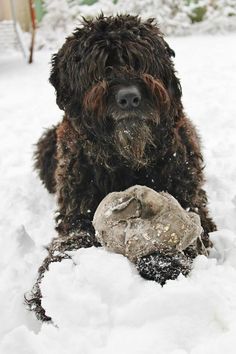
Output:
x=133 y=139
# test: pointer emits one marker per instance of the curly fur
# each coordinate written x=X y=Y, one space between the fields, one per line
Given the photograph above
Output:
x=97 y=148
x=45 y=158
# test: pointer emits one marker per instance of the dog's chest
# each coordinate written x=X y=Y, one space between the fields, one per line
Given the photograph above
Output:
x=120 y=179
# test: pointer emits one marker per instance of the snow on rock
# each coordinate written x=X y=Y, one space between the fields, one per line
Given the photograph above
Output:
x=99 y=303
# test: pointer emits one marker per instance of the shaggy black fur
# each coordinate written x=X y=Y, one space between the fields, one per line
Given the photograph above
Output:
x=100 y=147
x=45 y=159
x=161 y=267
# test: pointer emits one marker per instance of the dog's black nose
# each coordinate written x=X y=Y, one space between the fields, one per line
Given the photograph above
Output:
x=128 y=97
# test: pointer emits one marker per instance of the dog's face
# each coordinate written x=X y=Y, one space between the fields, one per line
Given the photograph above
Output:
x=115 y=80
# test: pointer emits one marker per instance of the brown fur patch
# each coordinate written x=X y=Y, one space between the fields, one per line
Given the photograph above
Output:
x=157 y=88
x=94 y=99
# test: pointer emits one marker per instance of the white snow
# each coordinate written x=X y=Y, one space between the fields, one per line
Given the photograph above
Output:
x=175 y=17
x=99 y=303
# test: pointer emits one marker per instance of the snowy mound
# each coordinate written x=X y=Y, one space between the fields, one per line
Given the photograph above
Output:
x=100 y=297
x=101 y=305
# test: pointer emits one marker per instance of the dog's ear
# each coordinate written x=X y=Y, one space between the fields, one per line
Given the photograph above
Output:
x=64 y=72
x=173 y=83
x=59 y=78
x=175 y=90
x=54 y=78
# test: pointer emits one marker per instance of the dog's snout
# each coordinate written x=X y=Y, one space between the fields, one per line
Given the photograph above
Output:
x=128 y=97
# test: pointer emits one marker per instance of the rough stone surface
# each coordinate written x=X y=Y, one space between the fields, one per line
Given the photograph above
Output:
x=140 y=221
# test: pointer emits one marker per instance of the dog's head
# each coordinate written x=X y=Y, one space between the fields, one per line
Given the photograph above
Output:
x=115 y=80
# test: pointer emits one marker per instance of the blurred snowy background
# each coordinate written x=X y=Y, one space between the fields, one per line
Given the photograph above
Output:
x=57 y=18
x=175 y=17
x=99 y=303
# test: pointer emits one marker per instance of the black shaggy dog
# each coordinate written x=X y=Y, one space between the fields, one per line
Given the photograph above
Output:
x=123 y=125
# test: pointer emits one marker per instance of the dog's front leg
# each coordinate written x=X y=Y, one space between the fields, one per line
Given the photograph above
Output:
x=73 y=234
x=76 y=193
x=77 y=200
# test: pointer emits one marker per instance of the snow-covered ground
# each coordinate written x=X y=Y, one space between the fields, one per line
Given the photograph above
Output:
x=99 y=303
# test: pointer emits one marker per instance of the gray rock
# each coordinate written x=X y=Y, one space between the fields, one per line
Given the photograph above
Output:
x=139 y=221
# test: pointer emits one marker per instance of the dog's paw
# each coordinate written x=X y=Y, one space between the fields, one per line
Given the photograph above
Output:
x=162 y=267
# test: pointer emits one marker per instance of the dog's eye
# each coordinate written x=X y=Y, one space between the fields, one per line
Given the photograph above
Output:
x=109 y=70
